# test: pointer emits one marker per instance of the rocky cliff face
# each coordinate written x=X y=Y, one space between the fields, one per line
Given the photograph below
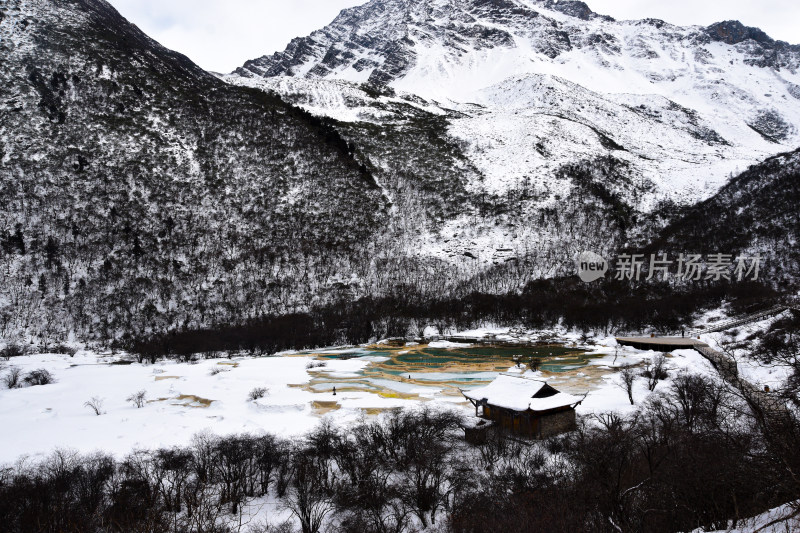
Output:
x=378 y=42
x=384 y=41
x=703 y=102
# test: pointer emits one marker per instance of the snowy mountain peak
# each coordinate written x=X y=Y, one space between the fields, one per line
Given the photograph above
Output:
x=734 y=32
x=712 y=99
x=378 y=41
x=390 y=41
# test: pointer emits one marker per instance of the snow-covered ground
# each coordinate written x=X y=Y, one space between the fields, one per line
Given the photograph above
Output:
x=610 y=396
x=41 y=418
x=733 y=343
x=777 y=520
x=212 y=395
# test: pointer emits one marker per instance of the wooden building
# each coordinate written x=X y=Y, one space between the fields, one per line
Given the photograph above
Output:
x=523 y=406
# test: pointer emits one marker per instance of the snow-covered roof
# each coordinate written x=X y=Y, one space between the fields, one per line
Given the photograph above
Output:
x=518 y=393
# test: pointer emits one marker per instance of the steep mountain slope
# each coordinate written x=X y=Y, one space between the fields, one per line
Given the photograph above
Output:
x=686 y=107
x=449 y=49
x=449 y=218
x=139 y=193
x=756 y=213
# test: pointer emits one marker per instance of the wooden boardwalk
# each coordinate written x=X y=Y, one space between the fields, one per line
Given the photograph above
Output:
x=662 y=344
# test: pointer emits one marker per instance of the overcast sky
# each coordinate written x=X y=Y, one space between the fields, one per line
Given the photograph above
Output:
x=220 y=35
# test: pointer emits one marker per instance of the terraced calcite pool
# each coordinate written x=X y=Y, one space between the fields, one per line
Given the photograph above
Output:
x=422 y=371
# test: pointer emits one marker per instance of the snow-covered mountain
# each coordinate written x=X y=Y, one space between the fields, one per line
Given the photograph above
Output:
x=529 y=85
x=141 y=195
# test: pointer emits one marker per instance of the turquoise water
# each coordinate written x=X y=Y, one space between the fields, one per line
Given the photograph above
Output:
x=415 y=369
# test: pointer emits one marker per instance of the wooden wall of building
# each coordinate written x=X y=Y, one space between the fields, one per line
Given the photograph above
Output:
x=530 y=424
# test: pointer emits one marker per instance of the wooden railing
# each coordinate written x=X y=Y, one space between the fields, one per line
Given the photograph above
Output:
x=741 y=321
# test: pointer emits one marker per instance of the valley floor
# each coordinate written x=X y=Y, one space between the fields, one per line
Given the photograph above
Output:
x=183 y=399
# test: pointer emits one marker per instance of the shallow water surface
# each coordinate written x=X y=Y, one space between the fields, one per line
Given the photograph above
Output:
x=422 y=372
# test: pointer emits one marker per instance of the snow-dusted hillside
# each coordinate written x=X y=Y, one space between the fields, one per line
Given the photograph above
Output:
x=466 y=202
x=538 y=84
x=137 y=189
x=755 y=213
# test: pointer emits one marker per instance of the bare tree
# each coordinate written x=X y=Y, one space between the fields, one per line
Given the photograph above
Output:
x=307 y=499
x=654 y=370
x=628 y=377
x=496 y=447
x=697 y=399
x=96 y=405
x=171 y=470
x=204 y=509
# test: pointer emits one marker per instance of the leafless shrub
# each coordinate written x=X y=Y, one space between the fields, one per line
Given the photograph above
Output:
x=316 y=364
x=257 y=393
x=138 y=398
x=12 y=350
x=96 y=405
x=63 y=348
x=40 y=376
x=12 y=378
x=217 y=370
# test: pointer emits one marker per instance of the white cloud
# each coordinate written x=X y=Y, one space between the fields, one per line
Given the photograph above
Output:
x=221 y=35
